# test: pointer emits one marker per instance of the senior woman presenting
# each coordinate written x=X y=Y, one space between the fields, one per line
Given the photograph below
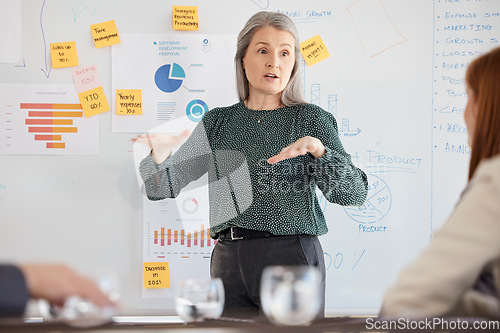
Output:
x=264 y=156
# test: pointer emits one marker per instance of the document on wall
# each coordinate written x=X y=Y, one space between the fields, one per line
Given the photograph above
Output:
x=176 y=238
x=181 y=77
x=45 y=119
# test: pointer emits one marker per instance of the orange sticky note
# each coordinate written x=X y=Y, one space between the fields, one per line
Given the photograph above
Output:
x=63 y=54
x=156 y=275
x=314 y=50
x=185 y=17
x=93 y=102
x=129 y=101
x=105 y=33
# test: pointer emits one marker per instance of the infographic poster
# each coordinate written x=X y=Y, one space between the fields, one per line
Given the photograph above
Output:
x=181 y=78
x=176 y=233
x=45 y=119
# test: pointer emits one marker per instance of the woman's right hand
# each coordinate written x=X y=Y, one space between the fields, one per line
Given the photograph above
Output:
x=162 y=144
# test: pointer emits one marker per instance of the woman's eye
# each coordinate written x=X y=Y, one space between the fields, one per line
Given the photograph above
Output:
x=262 y=51
x=285 y=53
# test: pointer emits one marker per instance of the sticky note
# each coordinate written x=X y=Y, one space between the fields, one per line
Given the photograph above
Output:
x=314 y=50
x=185 y=17
x=156 y=275
x=129 y=101
x=105 y=33
x=86 y=78
x=93 y=102
x=63 y=54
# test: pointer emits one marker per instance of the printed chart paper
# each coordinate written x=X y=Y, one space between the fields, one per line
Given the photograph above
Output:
x=176 y=234
x=43 y=119
x=181 y=77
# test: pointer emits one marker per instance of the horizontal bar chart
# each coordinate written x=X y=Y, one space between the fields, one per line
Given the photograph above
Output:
x=34 y=115
x=51 y=118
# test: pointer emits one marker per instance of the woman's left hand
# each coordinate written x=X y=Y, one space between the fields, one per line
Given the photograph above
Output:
x=302 y=146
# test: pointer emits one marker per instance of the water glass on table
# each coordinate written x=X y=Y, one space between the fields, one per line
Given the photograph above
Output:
x=290 y=295
x=199 y=298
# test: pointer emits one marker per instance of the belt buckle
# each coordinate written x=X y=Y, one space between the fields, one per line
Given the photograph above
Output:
x=232 y=235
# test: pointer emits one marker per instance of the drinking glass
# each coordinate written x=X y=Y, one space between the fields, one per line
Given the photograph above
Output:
x=290 y=295
x=199 y=298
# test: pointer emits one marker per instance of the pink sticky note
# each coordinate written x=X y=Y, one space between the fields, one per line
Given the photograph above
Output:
x=86 y=78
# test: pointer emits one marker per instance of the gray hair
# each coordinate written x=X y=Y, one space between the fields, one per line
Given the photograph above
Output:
x=292 y=94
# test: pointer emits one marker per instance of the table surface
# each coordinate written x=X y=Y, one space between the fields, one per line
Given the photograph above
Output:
x=157 y=324
x=333 y=324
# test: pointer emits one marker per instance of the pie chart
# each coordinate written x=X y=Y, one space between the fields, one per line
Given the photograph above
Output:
x=169 y=77
x=377 y=205
x=190 y=205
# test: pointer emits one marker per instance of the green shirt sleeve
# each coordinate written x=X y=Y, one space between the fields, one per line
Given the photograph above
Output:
x=187 y=164
x=336 y=176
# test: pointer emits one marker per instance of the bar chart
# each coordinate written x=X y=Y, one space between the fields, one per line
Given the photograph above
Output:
x=45 y=120
x=177 y=231
x=189 y=239
x=51 y=121
x=163 y=242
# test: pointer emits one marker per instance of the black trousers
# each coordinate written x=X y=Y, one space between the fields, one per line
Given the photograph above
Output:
x=239 y=263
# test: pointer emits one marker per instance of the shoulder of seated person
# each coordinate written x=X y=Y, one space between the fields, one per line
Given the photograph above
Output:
x=489 y=169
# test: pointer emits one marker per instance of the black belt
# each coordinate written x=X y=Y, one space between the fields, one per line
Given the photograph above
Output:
x=236 y=233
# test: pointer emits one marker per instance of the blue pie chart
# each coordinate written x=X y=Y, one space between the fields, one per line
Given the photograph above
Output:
x=169 y=77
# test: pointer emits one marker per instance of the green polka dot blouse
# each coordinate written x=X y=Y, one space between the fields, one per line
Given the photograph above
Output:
x=232 y=146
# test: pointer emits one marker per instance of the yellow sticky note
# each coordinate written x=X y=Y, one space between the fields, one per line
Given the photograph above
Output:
x=156 y=275
x=185 y=17
x=129 y=101
x=93 y=102
x=313 y=50
x=105 y=33
x=63 y=54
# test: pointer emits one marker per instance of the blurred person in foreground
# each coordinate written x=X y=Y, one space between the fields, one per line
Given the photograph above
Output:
x=52 y=282
x=458 y=274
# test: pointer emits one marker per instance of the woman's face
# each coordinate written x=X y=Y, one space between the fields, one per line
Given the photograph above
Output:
x=470 y=115
x=269 y=61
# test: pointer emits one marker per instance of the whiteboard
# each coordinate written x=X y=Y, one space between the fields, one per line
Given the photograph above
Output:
x=394 y=81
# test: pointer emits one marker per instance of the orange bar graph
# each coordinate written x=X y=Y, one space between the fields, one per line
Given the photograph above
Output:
x=48 y=122
x=50 y=106
x=56 y=145
x=195 y=238
x=52 y=130
x=56 y=114
x=47 y=137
